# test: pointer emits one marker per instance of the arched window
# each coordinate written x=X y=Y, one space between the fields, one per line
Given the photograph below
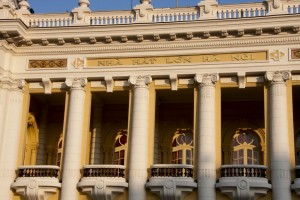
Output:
x=182 y=147
x=245 y=148
x=120 y=154
x=297 y=150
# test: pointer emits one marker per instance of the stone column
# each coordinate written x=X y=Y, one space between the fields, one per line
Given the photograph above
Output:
x=42 y=137
x=73 y=140
x=96 y=137
x=279 y=136
x=11 y=131
x=138 y=149
x=3 y=102
x=206 y=133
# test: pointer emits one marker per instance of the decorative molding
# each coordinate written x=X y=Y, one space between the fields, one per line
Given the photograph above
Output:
x=76 y=83
x=276 y=55
x=44 y=64
x=140 y=81
x=242 y=79
x=243 y=187
x=102 y=187
x=109 y=83
x=206 y=79
x=47 y=85
x=118 y=47
x=174 y=81
x=78 y=63
x=278 y=76
x=295 y=54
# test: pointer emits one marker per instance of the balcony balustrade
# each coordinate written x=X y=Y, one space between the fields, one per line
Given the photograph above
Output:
x=243 y=181
x=172 y=181
x=159 y=15
x=103 y=181
x=296 y=185
x=37 y=182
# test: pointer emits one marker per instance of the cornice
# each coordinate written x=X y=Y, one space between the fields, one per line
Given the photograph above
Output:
x=152 y=46
x=150 y=36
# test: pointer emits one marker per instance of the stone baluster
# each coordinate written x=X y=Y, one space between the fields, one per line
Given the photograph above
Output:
x=279 y=135
x=206 y=136
x=11 y=130
x=73 y=139
x=138 y=162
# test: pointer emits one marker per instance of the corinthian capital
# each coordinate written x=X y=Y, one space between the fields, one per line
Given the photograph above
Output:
x=76 y=83
x=278 y=76
x=206 y=79
x=140 y=80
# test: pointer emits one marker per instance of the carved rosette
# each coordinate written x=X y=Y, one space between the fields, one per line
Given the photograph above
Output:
x=76 y=83
x=278 y=77
x=206 y=79
x=140 y=81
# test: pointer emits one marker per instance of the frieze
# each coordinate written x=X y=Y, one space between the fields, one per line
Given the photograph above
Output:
x=295 y=54
x=180 y=59
x=44 y=64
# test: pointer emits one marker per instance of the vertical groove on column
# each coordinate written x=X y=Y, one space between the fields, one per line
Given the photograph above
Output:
x=206 y=131
x=73 y=142
x=139 y=139
x=279 y=139
x=11 y=130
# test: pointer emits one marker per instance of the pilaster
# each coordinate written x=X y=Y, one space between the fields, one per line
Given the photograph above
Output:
x=11 y=130
x=138 y=159
x=73 y=139
x=279 y=138
x=42 y=137
x=96 y=136
x=206 y=135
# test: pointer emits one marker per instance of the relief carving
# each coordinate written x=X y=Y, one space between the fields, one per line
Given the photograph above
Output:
x=58 y=63
x=296 y=54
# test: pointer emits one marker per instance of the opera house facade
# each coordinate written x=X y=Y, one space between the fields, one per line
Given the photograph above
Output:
x=180 y=103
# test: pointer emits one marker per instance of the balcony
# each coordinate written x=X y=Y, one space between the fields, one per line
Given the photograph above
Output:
x=103 y=181
x=171 y=181
x=37 y=182
x=296 y=185
x=243 y=181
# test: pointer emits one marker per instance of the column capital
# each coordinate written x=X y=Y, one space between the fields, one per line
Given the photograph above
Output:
x=76 y=83
x=13 y=84
x=206 y=79
x=278 y=76
x=140 y=81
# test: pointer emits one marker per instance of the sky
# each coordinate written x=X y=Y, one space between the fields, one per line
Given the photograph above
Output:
x=55 y=6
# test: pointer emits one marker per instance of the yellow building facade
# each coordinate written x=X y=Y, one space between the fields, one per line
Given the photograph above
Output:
x=179 y=103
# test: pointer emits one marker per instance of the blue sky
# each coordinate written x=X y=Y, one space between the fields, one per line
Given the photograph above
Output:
x=50 y=6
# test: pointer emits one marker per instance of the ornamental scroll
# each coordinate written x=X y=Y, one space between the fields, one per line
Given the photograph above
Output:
x=296 y=54
x=44 y=64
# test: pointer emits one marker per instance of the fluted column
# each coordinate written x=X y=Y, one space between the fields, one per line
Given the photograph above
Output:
x=206 y=133
x=11 y=131
x=96 y=137
x=139 y=137
x=279 y=136
x=3 y=101
x=42 y=137
x=73 y=140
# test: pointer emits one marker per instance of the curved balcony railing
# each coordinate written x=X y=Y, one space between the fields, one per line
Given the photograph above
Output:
x=257 y=171
x=38 y=171
x=171 y=170
x=104 y=171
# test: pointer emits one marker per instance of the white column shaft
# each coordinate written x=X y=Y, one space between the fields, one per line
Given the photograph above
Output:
x=3 y=102
x=139 y=141
x=12 y=127
x=279 y=141
x=206 y=138
x=73 y=143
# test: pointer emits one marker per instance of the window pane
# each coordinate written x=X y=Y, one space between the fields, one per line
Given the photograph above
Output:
x=180 y=154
